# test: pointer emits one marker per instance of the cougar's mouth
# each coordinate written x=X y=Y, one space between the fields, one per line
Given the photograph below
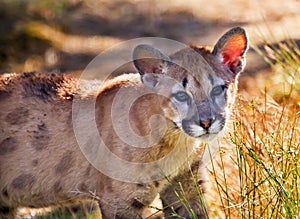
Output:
x=197 y=131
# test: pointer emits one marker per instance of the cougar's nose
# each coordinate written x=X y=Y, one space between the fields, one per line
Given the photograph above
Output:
x=205 y=123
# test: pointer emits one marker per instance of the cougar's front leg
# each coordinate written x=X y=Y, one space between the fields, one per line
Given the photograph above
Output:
x=123 y=200
x=184 y=196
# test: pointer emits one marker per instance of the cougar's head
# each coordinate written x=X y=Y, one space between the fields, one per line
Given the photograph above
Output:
x=196 y=85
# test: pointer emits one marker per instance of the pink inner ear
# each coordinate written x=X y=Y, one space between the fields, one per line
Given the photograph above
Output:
x=233 y=48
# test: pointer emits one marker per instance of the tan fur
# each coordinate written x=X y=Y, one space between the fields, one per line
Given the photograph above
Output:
x=41 y=163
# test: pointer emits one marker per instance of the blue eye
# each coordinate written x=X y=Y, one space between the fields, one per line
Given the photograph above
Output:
x=218 y=90
x=181 y=96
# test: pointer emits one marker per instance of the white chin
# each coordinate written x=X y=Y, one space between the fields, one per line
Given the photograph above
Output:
x=208 y=136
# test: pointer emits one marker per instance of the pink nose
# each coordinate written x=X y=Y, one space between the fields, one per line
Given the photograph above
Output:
x=205 y=124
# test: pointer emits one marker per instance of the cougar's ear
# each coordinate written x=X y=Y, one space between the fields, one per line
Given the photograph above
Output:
x=151 y=63
x=231 y=48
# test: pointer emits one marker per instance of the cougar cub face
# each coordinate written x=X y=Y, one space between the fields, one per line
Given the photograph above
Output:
x=196 y=86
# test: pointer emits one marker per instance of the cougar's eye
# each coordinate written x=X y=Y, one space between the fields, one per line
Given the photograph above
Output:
x=218 y=90
x=181 y=96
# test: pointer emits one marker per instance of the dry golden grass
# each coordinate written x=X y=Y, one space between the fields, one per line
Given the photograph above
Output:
x=257 y=172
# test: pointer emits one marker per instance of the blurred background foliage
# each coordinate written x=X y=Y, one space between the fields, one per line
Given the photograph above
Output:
x=65 y=35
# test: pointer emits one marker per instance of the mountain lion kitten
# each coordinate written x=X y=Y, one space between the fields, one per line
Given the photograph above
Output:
x=183 y=100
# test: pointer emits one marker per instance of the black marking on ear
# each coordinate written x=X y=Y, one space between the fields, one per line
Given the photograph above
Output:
x=184 y=82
